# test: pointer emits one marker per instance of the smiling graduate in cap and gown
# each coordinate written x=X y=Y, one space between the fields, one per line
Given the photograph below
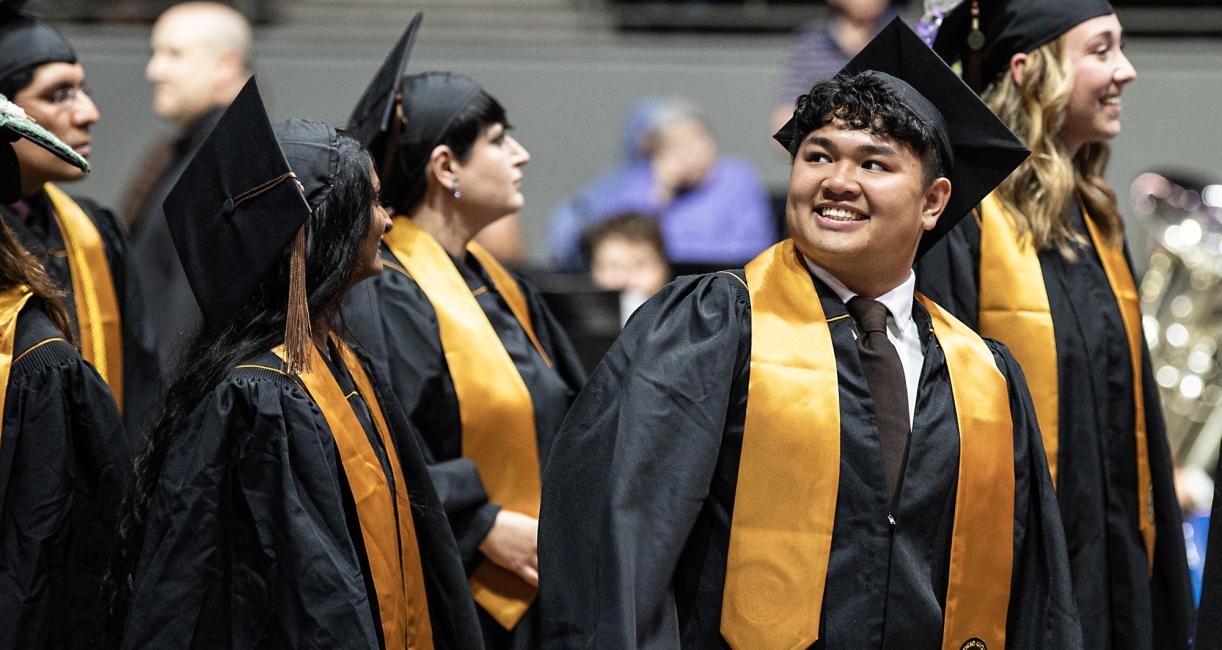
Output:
x=1043 y=267
x=803 y=453
x=284 y=509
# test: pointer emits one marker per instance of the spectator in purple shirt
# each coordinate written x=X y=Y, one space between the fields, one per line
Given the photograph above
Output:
x=822 y=47
x=712 y=209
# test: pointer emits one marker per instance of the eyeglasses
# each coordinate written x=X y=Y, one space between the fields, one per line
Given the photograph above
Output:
x=65 y=97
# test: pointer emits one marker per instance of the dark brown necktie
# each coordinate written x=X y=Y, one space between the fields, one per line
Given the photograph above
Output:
x=885 y=377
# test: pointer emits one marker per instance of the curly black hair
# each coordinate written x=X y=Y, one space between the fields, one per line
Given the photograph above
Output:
x=864 y=102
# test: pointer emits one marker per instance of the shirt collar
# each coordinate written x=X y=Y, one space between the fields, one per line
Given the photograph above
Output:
x=898 y=300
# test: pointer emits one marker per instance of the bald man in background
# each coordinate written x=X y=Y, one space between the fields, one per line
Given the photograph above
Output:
x=200 y=60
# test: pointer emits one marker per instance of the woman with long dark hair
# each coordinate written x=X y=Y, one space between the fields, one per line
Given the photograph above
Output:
x=1044 y=269
x=64 y=457
x=272 y=507
x=474 y=356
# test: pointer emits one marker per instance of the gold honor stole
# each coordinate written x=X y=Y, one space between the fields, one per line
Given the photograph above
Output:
x=1015 y=311
x=789 y=473
x=494 y=405
x=384 y=511
x=93 y=291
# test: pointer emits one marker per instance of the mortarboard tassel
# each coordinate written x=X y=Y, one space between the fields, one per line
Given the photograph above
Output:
x=298 y=334
x=975 y=43
x=392 y=138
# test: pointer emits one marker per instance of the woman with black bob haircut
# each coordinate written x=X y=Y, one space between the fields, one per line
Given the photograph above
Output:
x=272 y=507
x=64 y=457
x=473 y=355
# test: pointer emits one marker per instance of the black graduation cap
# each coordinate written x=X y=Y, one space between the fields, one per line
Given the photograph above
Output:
x=1006 y=28
x=244 y=197
x=14 y=125
x=372 y=118
x=432 y=101
x=26 y=41
x=980 y=151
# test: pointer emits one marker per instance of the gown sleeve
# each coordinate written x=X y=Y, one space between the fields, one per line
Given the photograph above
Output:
x=394 y=323
x=64 y=466
x=1170 y=586
x=949 y=273
x=1042 y=610
x=247 y=543
x=632 y=465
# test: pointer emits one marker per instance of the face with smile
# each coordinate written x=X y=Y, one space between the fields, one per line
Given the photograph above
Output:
x=56 y=99
x=858 y=205
x=490 y=180
x=1100 y=71
x=369 y=262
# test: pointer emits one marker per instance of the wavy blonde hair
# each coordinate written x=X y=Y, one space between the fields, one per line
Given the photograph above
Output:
x=1038 y=193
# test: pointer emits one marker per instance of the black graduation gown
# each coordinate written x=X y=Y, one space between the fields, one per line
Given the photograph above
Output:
x=639 y=493
x=40 y=234
x=1209 y=618
x=253 y=540
x=64 y=467
x=393 y=320
x=1119 y=605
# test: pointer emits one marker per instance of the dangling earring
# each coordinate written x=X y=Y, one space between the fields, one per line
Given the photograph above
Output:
x=454 y=187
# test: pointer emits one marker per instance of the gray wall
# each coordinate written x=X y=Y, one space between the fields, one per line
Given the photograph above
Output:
x=566 y=99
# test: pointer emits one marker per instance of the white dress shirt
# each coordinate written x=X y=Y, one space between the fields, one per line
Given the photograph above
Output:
x=901 y=329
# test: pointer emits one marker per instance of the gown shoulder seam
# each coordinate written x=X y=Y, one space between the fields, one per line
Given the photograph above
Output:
x=260 y=372
x=43 y=354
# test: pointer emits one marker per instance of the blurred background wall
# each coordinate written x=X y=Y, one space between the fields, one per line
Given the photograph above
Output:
x=567 y=71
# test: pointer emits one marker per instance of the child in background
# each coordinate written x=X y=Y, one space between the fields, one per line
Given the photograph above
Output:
x=626 y=253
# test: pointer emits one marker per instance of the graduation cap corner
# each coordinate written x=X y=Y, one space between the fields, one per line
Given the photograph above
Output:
x=378 y=113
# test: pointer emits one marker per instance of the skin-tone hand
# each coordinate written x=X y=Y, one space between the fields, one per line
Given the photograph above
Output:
x=683 y=156
x=669 y=168
x=512 y=544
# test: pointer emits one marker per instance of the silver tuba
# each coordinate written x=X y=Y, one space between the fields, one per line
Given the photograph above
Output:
x=1181 y=300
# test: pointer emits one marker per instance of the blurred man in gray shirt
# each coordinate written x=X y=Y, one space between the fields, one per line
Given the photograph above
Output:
x=199 y=62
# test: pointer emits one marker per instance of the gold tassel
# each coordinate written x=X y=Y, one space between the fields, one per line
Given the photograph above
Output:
x=392 y=139
x=972 y=74
x=298 y=334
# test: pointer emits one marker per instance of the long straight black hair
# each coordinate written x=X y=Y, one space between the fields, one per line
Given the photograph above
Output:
x=333 y=243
